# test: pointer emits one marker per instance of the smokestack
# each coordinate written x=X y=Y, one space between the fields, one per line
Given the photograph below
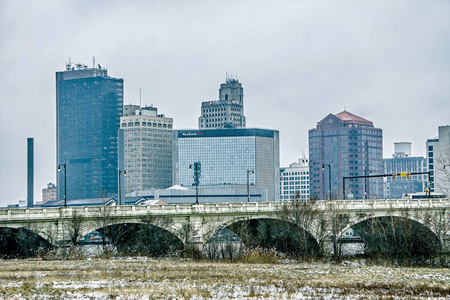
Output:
x=30 y=172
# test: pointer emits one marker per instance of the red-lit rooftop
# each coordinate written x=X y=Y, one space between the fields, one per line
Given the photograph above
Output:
x=347 y=117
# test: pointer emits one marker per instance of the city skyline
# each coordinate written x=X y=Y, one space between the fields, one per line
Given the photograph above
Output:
x=387 y=62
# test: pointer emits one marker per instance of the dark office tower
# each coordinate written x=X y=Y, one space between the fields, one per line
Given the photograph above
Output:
x=345 y=145
x=30 y=172
x=89 y=105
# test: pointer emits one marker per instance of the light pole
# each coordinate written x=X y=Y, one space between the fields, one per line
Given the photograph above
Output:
x=366 y=195
x=248 y=183
x=329 y=179
x=65 y=181
x=120 y=185
x=197 y=174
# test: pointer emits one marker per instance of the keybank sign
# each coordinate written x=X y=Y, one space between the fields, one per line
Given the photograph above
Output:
x=198 y=133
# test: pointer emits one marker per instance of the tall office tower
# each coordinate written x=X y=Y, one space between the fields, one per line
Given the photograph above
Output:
x=147 y=150
x=294 y=180
x=402 y=161
x=227 y=156
x=89 y=105
x=228 y=111
x=345 y=145
x=438 y=161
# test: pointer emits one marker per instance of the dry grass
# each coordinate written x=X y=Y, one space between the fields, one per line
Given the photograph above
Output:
x=164 y=279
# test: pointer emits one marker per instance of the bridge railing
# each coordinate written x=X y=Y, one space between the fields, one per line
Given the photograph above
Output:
x=210 y=208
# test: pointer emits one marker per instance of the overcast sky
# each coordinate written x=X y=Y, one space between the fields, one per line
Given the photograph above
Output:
x=298 y=61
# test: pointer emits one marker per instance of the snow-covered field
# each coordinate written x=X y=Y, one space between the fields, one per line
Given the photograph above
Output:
x=143 y=278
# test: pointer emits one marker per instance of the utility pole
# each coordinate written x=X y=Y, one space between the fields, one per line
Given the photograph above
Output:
x=197 y=174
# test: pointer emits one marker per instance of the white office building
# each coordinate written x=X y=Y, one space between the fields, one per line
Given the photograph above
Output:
x=294 y=180
x=146 y=143
x=438 y=161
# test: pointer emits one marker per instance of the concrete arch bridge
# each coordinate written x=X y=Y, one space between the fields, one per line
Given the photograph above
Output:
x=204 y=220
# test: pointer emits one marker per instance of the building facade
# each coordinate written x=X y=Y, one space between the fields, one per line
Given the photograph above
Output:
x=294 y=180
x=229 y=157
x=345 y=145
x=49 y=193
x=147 y=153
x=403 y=162
x=438 y=161
x=130 y=109
x=89 y=105
x=228 y=111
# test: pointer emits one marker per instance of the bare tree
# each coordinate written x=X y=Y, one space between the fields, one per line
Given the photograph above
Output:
x=187 y=232
x=303 y=214
x=74 y=227
x=337 y=220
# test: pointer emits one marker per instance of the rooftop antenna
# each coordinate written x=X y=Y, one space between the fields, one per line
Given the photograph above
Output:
x=140 y=98
x=93 y=62
x=68 y=65
x=344 y=107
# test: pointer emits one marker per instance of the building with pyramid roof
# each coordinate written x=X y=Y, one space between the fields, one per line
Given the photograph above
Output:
x=345 y=145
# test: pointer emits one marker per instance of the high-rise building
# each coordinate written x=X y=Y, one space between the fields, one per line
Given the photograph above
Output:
x=345 y=145
x=228 y=111
x=403 y=162
x=294 y=180
x=147 y=150
x=228 y=157
x=438 y=161
x=89 y=105
x=49 y=193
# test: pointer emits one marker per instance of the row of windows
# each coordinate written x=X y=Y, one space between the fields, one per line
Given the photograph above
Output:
x=158 y=125
x=294 y=187
x=294 y=173
x=210 y=110
x=285 y=178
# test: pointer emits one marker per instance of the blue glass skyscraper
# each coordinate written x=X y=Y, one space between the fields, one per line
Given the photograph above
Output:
x=89 y=105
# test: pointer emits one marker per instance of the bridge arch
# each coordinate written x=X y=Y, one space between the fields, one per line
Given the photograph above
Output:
x=398 y=237
x=20 y=241
x=41 y=232
x=138 y=237
x=170 y=228
x=423 y=219
x=294 y=239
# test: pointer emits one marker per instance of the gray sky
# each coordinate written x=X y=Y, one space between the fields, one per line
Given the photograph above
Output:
x=386 y=61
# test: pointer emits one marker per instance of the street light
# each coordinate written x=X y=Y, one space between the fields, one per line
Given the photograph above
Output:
x=248 y=183
x=65 y=181
x=329 y=179
x=197 y=174
x=120 y=185
x=366 y=183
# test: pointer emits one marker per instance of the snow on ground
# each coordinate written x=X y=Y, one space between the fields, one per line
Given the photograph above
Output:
x=144 y=278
